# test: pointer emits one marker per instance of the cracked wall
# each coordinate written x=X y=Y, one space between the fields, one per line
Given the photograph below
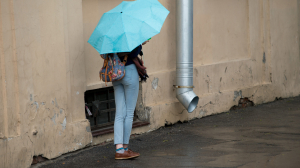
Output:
x=42 y=81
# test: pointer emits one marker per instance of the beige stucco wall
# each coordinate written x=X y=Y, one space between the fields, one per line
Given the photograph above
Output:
x=246 y=48
x=42 y=80
x=241 y=48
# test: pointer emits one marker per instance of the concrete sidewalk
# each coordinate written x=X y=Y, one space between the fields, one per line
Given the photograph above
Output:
x=262 y=136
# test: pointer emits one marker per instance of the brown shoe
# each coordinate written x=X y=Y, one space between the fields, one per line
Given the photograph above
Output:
x=126 y=155
x=134 y=153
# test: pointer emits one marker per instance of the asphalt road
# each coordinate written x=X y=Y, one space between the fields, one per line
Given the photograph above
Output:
x=262 y=136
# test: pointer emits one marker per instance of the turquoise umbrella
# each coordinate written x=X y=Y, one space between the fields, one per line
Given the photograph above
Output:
x=128 y=25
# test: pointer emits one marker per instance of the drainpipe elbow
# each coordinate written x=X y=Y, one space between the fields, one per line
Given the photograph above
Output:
x=188 y=99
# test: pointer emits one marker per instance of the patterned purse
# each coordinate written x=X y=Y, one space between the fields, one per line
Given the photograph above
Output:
x=113 y=69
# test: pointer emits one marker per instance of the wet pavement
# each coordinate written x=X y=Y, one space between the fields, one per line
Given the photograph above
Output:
x=256 y=137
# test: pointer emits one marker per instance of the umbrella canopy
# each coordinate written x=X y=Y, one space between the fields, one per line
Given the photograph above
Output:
x=128 y=25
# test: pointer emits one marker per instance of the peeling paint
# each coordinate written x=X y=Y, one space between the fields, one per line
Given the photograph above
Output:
x=56 y=105
x=31 y=98
x=207 y=83
x=37 y=105
x=8 y=139
x=53 y=119
x=143 y=113
x=150 y=130
x=196 y=72
x=155 y=83
x=237 y=94
x=64 y=124
x=60 y=111
x=167 y=123
x=88 y=129
x=109 y=140
x=285 y=77
x=34 y=132
x=202 y=113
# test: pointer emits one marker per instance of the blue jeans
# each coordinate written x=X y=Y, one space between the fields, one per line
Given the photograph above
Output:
x=126 y=94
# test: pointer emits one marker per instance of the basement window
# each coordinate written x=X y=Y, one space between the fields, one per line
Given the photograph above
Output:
x=101 y=103
x=100 y=111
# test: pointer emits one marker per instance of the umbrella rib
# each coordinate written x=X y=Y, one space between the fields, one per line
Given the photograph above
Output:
x=110 y=30
x=143 y=21
x=102 y=43
x=124 y=32
x=105 y=36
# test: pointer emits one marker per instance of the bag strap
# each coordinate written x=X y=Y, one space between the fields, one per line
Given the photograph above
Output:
x=106 y=67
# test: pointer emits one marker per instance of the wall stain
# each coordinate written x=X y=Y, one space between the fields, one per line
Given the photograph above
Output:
x=88 y=129
x=155 y=83
x=53 y=119
x=64 y=124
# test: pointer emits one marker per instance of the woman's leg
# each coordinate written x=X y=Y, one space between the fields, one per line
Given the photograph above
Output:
x=131 y=95
x=120 y=114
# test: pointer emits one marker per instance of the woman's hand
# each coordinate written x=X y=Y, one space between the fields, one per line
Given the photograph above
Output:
x=140 y=67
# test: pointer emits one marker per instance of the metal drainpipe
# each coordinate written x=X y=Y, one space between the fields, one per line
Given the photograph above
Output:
x=184 y=67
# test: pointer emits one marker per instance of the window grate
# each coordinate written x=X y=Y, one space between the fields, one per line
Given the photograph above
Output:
x=101 y=103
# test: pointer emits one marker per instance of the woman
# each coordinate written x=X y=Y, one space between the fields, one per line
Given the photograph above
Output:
x=126 y=94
